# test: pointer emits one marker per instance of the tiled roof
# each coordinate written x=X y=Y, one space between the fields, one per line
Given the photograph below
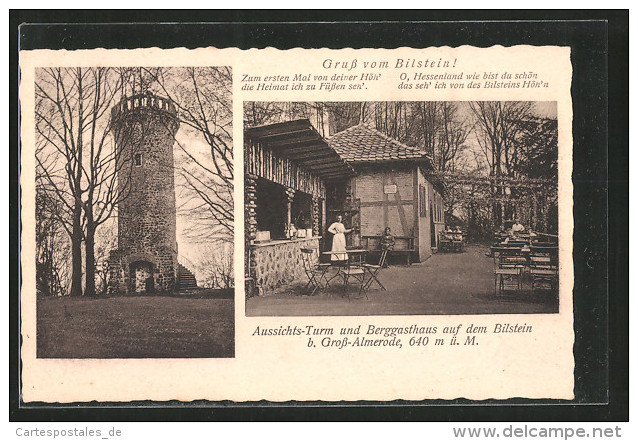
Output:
x=361 y=143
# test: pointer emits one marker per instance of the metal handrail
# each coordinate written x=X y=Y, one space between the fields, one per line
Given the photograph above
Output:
x=184 y=261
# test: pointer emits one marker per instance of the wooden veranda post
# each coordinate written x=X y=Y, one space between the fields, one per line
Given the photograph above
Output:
x=250 y=194
x=316 y=207
x=290 y=196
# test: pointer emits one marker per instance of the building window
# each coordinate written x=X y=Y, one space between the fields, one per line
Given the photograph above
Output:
x=138 y=159
x=438 y=208
x=423 y=206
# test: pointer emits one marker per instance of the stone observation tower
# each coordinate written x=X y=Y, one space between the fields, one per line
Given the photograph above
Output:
x=146 y=258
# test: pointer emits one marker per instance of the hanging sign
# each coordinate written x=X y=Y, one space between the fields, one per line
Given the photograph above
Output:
x=389 y=189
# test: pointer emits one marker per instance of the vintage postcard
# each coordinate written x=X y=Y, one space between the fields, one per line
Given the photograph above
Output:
x=308 y=224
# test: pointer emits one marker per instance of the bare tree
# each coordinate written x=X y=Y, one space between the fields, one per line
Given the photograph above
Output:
x=427 y=114
x=453 y=134
x=497 y=129
x=76 y=154
x=52 y=245
x=60 y=95
x=257 y=113
x=202 y=96
x=215 y=269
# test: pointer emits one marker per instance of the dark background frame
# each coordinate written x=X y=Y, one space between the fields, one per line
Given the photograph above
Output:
x=599 y=42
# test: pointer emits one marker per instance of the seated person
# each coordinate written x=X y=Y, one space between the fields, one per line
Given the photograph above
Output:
x=518 y=227
x=387 y=240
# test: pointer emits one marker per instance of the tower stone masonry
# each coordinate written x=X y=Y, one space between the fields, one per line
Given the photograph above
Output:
x=146 y=257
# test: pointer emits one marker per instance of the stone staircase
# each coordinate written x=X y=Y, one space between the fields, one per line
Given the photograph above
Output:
x=185 y=278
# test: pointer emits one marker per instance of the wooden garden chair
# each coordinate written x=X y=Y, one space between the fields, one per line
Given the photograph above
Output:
x=544 y=266
x=354 y=270
x=373 y=270
x=508 y=268
x=314 y=271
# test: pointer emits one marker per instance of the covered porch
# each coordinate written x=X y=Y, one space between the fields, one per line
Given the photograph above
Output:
x=287 y=168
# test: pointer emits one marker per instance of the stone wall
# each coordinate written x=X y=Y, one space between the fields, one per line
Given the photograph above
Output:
x=281 y=263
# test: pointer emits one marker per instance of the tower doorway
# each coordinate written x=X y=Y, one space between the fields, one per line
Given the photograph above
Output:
x=142 y=277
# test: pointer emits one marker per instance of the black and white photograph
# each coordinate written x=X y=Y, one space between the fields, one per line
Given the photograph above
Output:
x=134 y=212
x=401 y=208
x=427 y=204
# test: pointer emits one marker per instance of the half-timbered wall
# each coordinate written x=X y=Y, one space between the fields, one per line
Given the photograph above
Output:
x=261 y=161
x=399 y=198
x=386 y=200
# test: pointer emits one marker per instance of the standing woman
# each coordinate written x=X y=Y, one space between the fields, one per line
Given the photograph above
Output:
x=339 y=239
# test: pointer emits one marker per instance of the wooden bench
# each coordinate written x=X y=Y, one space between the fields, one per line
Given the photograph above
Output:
x=403 y=246
x=450 y=241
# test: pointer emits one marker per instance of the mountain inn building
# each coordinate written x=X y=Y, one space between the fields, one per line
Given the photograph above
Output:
x=296 y=182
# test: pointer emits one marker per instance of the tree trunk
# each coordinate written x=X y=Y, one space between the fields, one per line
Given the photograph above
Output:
x=76 y=240
x=76 y=254
x=90 y=261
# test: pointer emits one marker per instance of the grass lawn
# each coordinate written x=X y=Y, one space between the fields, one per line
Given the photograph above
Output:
x=135 y=327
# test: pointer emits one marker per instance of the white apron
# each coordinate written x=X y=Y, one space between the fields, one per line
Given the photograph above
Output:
x=338 y=241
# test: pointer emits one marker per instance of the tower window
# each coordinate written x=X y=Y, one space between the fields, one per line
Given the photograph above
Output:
x=138 y=159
